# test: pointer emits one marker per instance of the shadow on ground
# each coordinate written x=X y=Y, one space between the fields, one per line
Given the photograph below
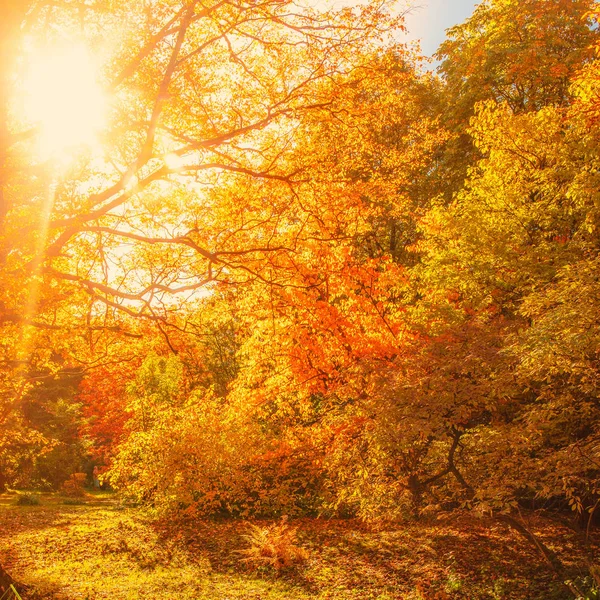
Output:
x=102 y=550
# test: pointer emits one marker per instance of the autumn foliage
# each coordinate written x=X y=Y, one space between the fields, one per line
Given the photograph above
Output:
x=302 y=275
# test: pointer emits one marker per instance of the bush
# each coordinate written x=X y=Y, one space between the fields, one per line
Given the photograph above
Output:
x=588 y=587
x=74 y=501
x=28 y=500
x=73 y=487
x=273 y=546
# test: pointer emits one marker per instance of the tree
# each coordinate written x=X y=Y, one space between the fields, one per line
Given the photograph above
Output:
x=519 y=54
x=524 y=54
x=319 y=318
x=194 y=182
x=517 y=251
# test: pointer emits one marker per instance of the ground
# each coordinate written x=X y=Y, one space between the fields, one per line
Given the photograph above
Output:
x=101 y=549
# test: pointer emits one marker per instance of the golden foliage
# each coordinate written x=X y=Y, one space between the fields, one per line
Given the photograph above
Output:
x=273 y=546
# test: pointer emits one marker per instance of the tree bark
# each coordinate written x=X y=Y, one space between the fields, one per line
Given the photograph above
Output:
x=549 y=555
x=26 y=592
x=5 y=580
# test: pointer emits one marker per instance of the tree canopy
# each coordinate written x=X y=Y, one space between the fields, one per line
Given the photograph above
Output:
x=294 y=272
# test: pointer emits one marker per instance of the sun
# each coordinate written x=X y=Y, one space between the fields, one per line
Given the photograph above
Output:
x=63 y=98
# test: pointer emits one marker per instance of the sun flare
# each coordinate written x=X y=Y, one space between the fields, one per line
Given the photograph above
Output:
x=64 y=99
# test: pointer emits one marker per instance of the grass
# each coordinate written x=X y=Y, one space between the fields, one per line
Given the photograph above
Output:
x=102 y=550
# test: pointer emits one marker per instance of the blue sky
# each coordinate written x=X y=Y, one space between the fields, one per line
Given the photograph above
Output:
x=429 y=19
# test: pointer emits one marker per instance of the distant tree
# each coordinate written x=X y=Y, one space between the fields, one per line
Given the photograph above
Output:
x=522 y=54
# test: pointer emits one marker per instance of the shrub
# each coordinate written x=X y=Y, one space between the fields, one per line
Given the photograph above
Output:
x=28 y=500
x=587 y=588
x=273 y=546
x=73 y=487
x=74 y=501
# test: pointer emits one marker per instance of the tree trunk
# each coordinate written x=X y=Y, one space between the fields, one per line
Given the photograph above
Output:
x=5 y=580
x=549 y=555
x=26 y=592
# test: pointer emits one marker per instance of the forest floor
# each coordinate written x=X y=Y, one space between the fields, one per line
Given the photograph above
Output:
x=102 y=550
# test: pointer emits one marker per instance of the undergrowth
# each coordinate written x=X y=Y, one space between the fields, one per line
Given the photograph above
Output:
x=274 y=546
